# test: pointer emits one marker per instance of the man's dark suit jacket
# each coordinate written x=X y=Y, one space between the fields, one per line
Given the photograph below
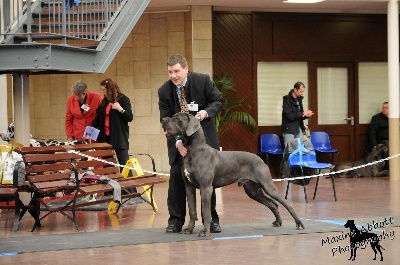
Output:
x=199 y=89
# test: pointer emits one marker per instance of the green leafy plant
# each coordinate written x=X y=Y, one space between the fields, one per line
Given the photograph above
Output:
x=233 y=112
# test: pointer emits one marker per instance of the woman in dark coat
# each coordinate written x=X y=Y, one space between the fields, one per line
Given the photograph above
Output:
x=112 y=119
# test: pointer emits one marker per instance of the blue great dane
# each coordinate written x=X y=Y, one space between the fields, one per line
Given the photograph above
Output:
x=205 y=168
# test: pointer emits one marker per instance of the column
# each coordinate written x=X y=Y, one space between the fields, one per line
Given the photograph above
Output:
x=198 y=39
x=3 y=104
x=21 y=108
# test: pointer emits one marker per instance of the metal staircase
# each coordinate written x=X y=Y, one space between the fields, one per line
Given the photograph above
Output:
x=64 y=36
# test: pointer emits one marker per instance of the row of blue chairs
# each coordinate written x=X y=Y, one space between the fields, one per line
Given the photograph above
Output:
x=271 y=145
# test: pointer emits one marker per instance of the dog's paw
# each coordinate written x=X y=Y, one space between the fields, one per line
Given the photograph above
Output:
x=299 y=225
x=277 y=223
x=204 y=233
x=187 y=231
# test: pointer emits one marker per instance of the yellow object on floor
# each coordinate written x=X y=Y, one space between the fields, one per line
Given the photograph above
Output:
x=134 y=163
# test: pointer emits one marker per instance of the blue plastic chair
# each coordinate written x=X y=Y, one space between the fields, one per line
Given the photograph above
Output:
x=322 y=144
x=307 y=160
x=270 y=144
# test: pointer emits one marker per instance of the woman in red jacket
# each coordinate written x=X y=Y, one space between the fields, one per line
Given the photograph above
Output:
x=81 y=110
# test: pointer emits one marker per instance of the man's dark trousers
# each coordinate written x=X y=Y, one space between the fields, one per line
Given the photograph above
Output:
x=177 y=203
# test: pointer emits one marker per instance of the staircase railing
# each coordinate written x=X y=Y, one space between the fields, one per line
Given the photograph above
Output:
x=12 y=15
x=89 y=39
x=64 y=19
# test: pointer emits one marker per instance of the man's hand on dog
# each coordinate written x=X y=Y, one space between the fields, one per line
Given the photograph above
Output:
x=181 y=148
x=201 y=115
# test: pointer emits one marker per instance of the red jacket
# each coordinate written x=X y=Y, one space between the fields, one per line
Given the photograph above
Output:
x=75 y=122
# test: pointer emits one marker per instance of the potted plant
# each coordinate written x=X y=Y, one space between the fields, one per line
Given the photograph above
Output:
x=233 y=112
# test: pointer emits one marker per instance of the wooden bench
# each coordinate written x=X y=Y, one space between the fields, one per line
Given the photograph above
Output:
x=49 y=169
x=12 y=201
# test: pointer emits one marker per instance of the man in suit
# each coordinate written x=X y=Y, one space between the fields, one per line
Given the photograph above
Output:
x=204 y=102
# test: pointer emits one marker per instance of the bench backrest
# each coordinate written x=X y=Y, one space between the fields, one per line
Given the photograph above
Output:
x=49 y=168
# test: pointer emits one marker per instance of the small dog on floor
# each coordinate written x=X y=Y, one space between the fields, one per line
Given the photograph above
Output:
x=380 y=151
x=361 y=239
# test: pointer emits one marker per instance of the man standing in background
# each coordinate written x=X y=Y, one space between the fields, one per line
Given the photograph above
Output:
x=293 y=113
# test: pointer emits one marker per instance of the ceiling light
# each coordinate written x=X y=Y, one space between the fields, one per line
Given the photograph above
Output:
x=303 y=1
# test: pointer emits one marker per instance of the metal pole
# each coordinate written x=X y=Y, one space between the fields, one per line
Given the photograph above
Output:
x=64 y=23
x=29 y=20
x=21 y=108
x=3 y=102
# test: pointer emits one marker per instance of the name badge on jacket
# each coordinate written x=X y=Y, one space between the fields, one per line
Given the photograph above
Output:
x=85 y=107
x=193 y=107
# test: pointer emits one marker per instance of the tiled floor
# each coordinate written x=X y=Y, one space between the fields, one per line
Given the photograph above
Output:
x=373 y=198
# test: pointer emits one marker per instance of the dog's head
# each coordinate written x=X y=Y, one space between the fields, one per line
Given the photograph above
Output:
x=349 y=224
x=380 y=151
x=383 y=148
x=8 y=135
x=181 y=125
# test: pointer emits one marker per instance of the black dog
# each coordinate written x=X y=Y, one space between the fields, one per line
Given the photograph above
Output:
x=358 y=239
x=379 y=152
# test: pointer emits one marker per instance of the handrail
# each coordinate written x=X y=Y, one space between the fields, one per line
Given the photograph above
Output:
x=10 y=17
x=63 y=19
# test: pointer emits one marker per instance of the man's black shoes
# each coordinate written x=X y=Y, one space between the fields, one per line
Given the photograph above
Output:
x=215 y=228
x=172 y=228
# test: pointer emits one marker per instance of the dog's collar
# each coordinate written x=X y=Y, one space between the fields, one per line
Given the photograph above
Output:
x=183 y=137
x=178 y=137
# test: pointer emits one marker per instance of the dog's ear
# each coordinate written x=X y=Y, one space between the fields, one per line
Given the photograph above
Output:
x=193 y=125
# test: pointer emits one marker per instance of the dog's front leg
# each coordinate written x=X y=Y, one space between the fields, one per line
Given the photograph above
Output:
x=191 y=197
x=206 y=210
x=381 y=174
x=351 y=253
x=354 y=252
x=352 y=246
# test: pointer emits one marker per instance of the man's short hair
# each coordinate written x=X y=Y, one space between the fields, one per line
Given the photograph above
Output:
x=177 y=58
x=385 y=103
x=79 y=87
x=298 y=84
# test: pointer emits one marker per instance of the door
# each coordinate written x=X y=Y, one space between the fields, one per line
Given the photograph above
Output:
x=332 y=94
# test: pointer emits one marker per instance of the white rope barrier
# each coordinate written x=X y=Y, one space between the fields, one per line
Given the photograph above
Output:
x=281 y=179
x=114 y=164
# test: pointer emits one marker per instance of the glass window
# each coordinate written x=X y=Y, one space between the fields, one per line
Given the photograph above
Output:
x=373 y=89
x=332 y=95
x=274 y=80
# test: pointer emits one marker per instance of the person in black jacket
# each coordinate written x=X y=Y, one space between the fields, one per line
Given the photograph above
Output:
x=378 y=130
x=207 y=103
x=293 y=113
x=112 y=119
